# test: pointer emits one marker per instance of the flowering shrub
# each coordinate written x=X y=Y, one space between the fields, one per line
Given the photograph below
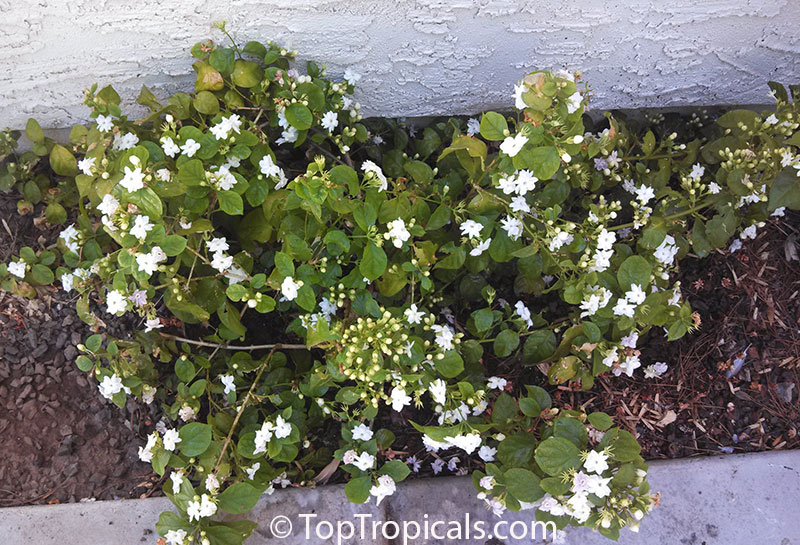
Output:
x=373 y=269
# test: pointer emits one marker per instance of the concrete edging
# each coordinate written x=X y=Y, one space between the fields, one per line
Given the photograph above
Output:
x=725 y=500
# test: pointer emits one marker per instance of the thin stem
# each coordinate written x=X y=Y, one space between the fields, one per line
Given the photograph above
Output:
x=241 y=409
x=278 y=346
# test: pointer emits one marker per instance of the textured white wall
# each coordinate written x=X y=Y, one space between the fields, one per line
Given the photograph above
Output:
x=417 y=57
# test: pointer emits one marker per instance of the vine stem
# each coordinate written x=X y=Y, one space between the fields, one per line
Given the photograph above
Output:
x=242 y=407
x=273 y=347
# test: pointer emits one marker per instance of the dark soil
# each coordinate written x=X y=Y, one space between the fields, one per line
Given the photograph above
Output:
x=61 y=441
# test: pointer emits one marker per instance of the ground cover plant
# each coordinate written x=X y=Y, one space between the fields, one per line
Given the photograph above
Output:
x=295 y=266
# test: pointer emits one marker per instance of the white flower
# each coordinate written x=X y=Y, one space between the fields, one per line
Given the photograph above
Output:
x=133 y=180
x=108 y=205
x=468 y=442
x=364 y=461
x=221 y=262
x=480 y=248
x=519 y=204
x=771 y=120
x=697 y=171
x=152 y=323
x=219 y=244
x=268 y=166
x=655 y=370
x=598 y=486
x=105 y=123
x=636 y=295
x=212 y=483
x=444 y=336
x=574 y=102
x=171 y=439
x=470 y=229
x=369 y=166
x=666 y=251
x=227 y=381
x=163 y=174
x=186 y=413
x=289 y=288
x=508 y=184
x=110 y=385
x=473 y=126
x=714 y=188
x=519 y=103
x=749 y=232
x=644 y=193
x=606 y=239
x=630 y=339
x=487 y=482
x=190 y=147
x=17 y=268
x=398 y=232
x=147 y=263
x=524 y=182
x=202 y=509
x=596 y=462
x=524 y=313
x=263 y=436
x=562 y=238
x=486 y=453
x=628 y=365
x=399 y=399
x=512 y=145
x=116 y=302
x=624 y=308
x=169 y=146
x=86 y=164
x=177 y=480
x=145 y=452
x=282 y=428
x=124 y=141
x=362 y=433
x=432 y=445
x=413 y=315
x=251 y=471
x=735 y=246
x=351 y=76
x=141 y=226
x=385 y=487
x=67 y=280
x=496 y=383
x=175 y=537
x=329 y=121
x=438 y=389
x=512 y=226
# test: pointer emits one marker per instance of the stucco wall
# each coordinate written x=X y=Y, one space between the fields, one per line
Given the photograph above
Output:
x=417 y=58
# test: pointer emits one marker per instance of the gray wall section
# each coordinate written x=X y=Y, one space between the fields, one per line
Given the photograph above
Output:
x=426 y=57
x=725 y=500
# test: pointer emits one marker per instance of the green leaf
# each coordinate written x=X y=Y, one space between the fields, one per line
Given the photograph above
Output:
x=55 y=214
x=555 y=455
x=173 y=245
x=34 y=131
x=222 y=60
x=84 y=363
x=299 y=116
x=373 y=262
x=206 y=103
x=545 y=161
x=541 y=345
x=239 y=498
x=601 y=421
x=785 y=190
x=357 y=490
x=493 y=126
x=505 y=343
x=147 y=201
x=516 y=450
x=231 y=203
x=634 y=270
x=246 y=74
x=62 y=161
x=396 y=469
x=451 y=365
x=523 y=484
x=195 y=438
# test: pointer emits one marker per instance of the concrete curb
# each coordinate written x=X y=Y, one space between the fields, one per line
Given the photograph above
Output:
x=724 y=500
